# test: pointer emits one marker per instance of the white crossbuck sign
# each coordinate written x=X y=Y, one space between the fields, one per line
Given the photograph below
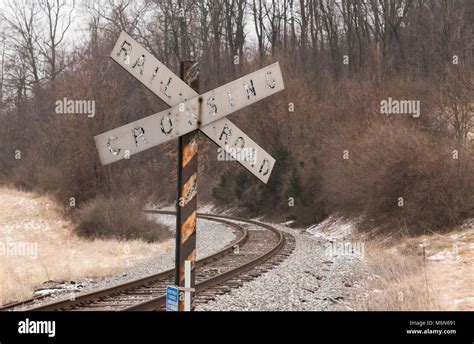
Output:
x=189 y=111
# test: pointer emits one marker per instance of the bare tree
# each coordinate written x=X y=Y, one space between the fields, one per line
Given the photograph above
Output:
x=2 y=66
x=258 y=16
x=22 y=19
x=234 y=29
x=58 y=14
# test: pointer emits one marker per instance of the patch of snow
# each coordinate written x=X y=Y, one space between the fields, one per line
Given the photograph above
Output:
x=332 y=228
x=57 y=288
x=392 y=250
x=445 y=256
x=208 y=209
x=288 y=223
x=464 y=300
x=469 y=223
x=160 y=206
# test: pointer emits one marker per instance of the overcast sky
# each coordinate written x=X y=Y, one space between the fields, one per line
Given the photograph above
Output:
x=77 y=32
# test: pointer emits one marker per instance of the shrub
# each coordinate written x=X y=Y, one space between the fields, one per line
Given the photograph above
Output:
x=117 y=217
x=223 y=193
x=294 y=184
x=399 y=176
x=242 y=180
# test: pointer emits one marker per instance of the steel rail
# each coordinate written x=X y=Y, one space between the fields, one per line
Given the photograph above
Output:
x=160 y=301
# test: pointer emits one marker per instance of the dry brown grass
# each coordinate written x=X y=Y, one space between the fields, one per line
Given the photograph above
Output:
x=397 y=281
x=403 y=278
x=450 y=267
x=59 y=255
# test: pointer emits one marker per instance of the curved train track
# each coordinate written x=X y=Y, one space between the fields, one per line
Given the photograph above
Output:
x=258 y=248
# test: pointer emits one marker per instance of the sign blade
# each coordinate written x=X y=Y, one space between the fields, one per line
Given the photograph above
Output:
x=190 y=115
x=241 y=148
x=153 y=74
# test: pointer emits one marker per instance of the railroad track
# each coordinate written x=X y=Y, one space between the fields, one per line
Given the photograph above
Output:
x=258 y=248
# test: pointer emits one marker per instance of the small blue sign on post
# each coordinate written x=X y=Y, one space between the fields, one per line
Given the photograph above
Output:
x=172 y=298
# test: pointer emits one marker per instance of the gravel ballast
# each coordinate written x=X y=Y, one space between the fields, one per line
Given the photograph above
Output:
x=317 y=276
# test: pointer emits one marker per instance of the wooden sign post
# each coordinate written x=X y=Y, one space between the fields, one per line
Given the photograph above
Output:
x=186 y=210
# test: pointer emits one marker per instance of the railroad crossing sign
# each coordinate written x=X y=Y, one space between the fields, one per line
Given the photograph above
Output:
x=189 y=112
